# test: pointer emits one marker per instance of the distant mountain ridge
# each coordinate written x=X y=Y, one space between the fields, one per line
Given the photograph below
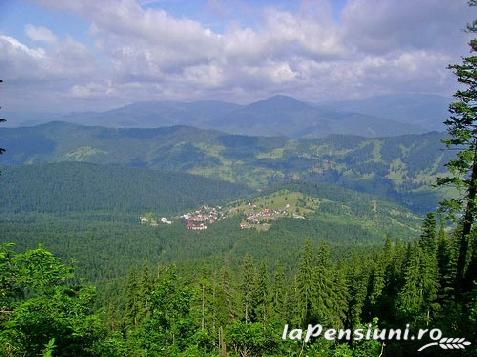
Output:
x=426 y=111
x=152 y=114
x=276 y=116
x=285 y=116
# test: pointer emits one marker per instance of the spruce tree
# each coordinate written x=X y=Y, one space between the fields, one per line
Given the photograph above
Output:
x=224 y=299
x=279 y=294
x=462 y=131
x=410 y=298
x=329 y=306
x=144 y=287
x=204 y=299
x=358 y=277
x=383 y=282
x=262 y=294
x=429 y=263
x=417 y=298
x=428 y=241
x=342 y=296
x=248 y=288
x=446 y=260
x=132 y=299
x=306 y=283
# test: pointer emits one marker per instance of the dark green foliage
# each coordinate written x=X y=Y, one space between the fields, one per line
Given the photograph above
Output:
x=215 y=309
x=100 y=229
x=418 y=295
x=77 y=187
x=249 y=289
x=39 y=313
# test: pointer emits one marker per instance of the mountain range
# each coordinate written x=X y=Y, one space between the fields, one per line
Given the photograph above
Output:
x=399 y=168
x=275 y=116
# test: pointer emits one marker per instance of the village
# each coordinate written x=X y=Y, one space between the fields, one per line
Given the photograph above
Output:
x=258 y=214
x=149 y=219
x=198 y=220
x=260 y=219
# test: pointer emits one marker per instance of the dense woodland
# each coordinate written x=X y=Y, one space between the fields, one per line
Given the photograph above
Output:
x=108 y=241
x=66 y=187
x=218 y=309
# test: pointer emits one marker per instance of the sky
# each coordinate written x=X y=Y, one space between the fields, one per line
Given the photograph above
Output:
x=89 y=55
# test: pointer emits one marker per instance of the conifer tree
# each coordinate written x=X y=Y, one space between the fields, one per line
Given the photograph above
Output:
x=204 y=302
x=248 y=288
x=417 y=299
x=224 y=299
x=132 y=299
x=429 y=262
x=377 y=280
x=279 y=294
x=428 y=241
x=306 y=283
x=358 y=278
x=410 y=299
x=462 y=130
x=145 y=288
x=262 y=295
x=446 y=261
x=342 y=295
x=329 y=306
x=382 y=282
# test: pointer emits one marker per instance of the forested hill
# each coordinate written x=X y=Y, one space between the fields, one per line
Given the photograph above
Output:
x=398 y=168
x=90 y=212
x=75 y=186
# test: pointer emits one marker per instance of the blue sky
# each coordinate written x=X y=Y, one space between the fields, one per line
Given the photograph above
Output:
x=76 y=55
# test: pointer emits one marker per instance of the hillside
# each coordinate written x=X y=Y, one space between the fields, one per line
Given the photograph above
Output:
x=330 y=204
x=400 y=168
x=102 y=229
x=67 y=187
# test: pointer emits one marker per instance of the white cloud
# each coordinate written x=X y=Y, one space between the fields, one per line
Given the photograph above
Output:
x=66 y=60
x=389 y=25
x=93 y=89
x=141 y=53
x=40 y=34
x=19 y=61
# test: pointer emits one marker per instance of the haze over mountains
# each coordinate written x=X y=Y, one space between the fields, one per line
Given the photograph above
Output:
x=275 y=116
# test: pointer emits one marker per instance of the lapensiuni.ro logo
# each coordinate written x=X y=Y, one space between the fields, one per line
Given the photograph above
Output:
x=373 y=333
